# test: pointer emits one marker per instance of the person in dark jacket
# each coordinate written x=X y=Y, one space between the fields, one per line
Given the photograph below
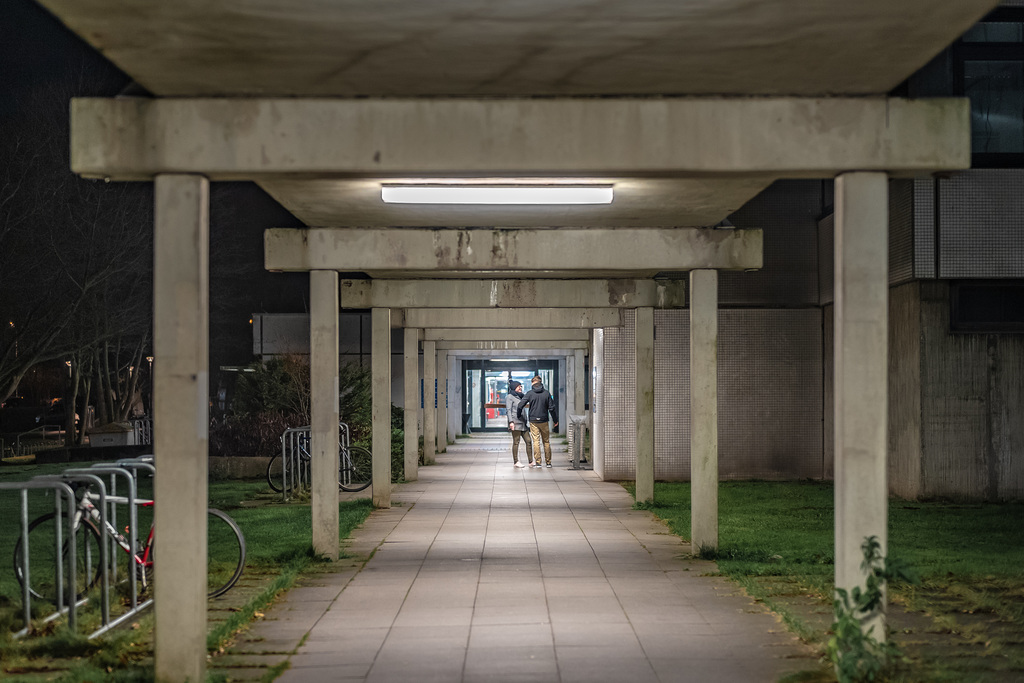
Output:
x=535 y=407
x=516 y=424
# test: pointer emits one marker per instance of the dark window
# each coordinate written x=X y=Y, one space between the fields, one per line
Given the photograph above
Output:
x=988 y=68
x=984 y=307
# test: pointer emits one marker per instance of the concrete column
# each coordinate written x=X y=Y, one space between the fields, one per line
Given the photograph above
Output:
x=455 y=397
x=861 y=389
x=181 y=412
x=323 y=366
x=412 y=402
x=380 y=322
x=597 y=401
x=644 y=404
x=579 y=386
x=564 y=393
x=442 y=401
x=570 y=383
x=429 y=401
x=703 y=409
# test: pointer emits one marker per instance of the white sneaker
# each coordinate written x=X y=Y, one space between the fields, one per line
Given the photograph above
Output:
x=520 y=465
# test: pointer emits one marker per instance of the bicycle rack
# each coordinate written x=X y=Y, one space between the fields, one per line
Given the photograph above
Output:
x=294 y=468
x=113 y=500
x=61 y=491
x=85 y=476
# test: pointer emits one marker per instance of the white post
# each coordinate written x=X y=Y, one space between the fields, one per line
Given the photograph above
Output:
x=181 y=414
x=579 y=386
x=597 y=410
x=861 y=373
x=323 y=386
x=381 y=369
x=703 y=409
x=644 y=405
x=442 y=401
x=429 y=401
x=412 y=402
x=570 y=394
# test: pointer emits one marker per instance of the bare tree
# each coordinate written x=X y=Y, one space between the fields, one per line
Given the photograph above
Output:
x=75 y=263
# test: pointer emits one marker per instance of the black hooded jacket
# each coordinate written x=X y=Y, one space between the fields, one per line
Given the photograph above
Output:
x=540 y=404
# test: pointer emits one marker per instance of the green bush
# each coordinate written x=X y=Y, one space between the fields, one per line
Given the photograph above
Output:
x=252 y=435
x=397 y=451
x=273 y=396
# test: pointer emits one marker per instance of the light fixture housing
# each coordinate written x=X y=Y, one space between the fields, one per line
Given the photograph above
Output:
x=510 y=194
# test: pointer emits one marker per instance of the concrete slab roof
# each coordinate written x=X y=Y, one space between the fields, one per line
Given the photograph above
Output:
x=484 y=48
x=503 y=60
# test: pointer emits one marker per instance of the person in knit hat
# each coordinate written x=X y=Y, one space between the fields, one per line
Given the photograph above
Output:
x=516 y=424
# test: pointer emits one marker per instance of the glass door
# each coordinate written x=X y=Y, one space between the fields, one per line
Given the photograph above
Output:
x=486 y=386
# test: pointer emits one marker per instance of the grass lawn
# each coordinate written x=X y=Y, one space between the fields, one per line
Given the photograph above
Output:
x=279 y=547
x=964 y=620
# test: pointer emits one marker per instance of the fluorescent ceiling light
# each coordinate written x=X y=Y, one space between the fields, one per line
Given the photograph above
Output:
x=496 y=194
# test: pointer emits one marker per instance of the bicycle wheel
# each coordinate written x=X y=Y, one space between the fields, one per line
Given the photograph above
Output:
x=42 y=546
x=275 y=473
x=225 y=552
x=356 y=470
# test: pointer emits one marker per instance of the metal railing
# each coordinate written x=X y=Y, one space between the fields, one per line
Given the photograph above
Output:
x=67 y=564
x=295 y=477
x=142 y=431
x=41 y=442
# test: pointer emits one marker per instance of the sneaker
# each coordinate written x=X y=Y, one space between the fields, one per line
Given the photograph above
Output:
x=548 y=465
x=520 y=465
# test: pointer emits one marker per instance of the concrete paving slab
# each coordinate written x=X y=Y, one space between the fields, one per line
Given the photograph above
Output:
x=485 y=573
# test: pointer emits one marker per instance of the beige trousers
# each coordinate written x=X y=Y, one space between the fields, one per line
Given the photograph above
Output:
x=540 y=433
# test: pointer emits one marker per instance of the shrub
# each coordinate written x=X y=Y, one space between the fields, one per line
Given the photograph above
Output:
x=252 y=435
x=397 y=452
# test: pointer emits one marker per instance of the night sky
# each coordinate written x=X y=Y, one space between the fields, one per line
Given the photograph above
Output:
x=37 y=53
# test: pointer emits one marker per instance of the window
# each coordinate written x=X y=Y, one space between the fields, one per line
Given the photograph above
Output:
x=988 y=68
x=986 y=307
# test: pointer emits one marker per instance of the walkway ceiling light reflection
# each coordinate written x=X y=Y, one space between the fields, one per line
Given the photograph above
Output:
x=496 y=194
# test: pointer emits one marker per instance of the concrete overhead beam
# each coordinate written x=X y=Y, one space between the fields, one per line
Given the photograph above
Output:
x=405 y=250
x=450 y=293
x=512 y=318
x=532 y=354
x=229 y=139
x=522 y=334
x=512 y=345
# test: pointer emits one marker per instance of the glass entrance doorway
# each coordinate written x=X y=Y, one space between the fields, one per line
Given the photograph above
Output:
x=485 y=385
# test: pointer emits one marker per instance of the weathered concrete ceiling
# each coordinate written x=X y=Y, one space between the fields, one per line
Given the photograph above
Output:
x=345 y=48
x=422 y=50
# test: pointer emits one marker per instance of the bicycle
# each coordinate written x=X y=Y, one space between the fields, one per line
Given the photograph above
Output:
x=226 y=550
x=355 y=466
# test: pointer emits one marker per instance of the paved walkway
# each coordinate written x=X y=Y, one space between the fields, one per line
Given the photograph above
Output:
x=484 y=572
